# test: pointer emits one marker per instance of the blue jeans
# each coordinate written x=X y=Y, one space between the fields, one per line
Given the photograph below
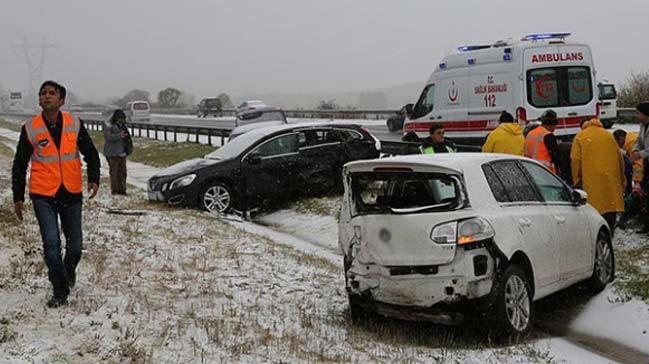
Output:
x=48 y=211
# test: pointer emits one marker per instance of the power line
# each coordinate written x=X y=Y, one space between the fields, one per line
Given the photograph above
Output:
x=34 y=54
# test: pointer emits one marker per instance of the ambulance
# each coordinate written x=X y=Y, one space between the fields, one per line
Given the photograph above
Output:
x=469 y=89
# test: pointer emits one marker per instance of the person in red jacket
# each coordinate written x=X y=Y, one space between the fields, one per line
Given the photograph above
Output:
x=51 y=142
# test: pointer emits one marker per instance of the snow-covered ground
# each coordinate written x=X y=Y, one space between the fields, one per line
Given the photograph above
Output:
x=183 y=286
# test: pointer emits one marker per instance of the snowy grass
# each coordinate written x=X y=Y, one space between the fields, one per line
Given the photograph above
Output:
x=328 y=205
x=10 y=125
x=158 y=153
x=633 y=273
x=4 y=149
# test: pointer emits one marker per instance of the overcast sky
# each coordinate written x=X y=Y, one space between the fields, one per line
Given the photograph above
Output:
x=292 y=46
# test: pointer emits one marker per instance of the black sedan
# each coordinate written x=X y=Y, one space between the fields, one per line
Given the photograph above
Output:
x=264 y=164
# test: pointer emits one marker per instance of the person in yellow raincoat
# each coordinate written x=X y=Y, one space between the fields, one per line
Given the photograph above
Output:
x=507 y=138
x=598 y=168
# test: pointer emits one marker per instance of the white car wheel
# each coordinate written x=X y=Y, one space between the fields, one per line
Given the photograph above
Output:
x=604 y=266
x=517 y=303
x=513 y=311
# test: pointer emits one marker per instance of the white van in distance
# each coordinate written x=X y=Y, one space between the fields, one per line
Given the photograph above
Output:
x=469 y=89
x=138 y=111
x=13 y=102
x=608 y=102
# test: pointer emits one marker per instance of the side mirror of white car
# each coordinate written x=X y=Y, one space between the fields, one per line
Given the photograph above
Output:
x=579 y=197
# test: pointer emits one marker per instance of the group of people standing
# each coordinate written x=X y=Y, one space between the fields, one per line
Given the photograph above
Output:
x=608 y=166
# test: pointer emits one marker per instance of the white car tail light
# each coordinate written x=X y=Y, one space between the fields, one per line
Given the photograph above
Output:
x=462 y=232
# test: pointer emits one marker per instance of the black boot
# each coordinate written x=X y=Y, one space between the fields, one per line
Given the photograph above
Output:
x=57 y=301
x=72 y=278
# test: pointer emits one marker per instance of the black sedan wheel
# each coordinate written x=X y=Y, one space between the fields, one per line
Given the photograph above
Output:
x=216 y=197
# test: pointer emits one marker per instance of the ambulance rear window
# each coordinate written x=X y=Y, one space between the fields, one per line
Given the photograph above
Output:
x=559 y=86
x=607 y=92
x=542 y=86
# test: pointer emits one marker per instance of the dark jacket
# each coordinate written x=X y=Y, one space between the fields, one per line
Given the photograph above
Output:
x=563 y=164
x=550 y=141
x=115 y=145
x=24 y=152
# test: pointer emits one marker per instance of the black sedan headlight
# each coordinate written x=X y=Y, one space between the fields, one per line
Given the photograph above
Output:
x=182 y=181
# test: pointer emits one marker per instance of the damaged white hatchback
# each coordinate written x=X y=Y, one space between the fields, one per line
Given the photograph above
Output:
x=446 y=237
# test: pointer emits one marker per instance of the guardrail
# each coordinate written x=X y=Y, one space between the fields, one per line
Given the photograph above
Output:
x=153 y=130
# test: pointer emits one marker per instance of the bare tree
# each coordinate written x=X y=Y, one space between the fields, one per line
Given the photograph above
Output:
x=169 y=97
x=635 y=90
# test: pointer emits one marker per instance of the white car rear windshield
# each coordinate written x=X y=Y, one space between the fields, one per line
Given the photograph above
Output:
x=258 y=117
x=404 y=192
x=140 y=106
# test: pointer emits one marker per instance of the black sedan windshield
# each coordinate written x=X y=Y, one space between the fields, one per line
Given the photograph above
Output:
x=235 y=147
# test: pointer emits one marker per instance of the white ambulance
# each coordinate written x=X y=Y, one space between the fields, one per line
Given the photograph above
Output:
x=470 y=88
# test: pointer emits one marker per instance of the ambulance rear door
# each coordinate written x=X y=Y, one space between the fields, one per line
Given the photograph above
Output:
x=560 y=77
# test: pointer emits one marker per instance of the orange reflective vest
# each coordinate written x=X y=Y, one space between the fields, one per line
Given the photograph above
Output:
x=535 y=147
x=52 y=167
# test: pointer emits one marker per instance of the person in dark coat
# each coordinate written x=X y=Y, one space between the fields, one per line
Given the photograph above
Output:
x=641 y=152
x=118 y=145
x=563 y=162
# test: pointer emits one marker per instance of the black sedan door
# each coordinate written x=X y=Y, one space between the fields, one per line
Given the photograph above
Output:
x=356 y=145
x=268 y=168
x=320 y=160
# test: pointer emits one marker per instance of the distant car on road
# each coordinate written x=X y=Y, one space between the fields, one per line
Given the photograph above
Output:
x=75 y=108
x=445 y=237
x=209 y=106
x=257 y=118
x=395 y=122
x=265 y=164
x=138 y=111
x=251 y=104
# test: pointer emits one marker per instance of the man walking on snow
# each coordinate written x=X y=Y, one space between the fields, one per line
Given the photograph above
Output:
x=52 y=141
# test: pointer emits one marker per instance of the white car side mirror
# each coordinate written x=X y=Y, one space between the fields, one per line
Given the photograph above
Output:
x=580 y=197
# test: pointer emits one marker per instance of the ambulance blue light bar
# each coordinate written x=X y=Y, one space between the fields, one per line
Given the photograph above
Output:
x=544 y=36
x=468 y=48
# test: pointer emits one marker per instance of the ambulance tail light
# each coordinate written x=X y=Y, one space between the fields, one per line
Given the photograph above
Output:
x=521 y=114
x=598 y=108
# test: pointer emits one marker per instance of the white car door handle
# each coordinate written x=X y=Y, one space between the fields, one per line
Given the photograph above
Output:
x=524 y=222
x=560 y=219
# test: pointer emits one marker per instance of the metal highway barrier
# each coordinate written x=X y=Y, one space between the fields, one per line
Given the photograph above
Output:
x=151 y=130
